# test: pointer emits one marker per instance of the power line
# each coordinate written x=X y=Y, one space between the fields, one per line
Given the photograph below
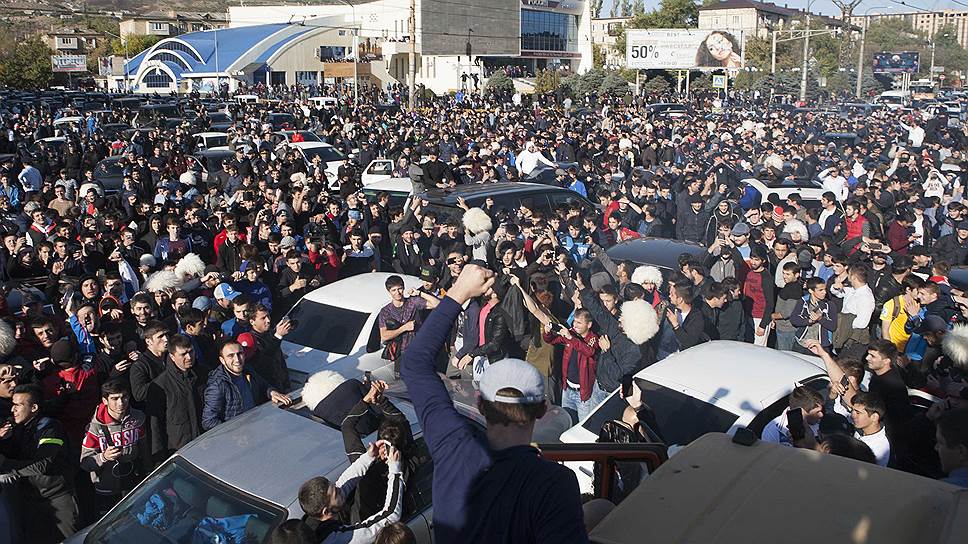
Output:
x=903 y=3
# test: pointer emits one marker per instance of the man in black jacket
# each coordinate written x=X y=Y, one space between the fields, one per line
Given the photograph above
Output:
x=35 y=469
x=689 y=326
x=268 y=359
x=436 y=173
x=175 y=399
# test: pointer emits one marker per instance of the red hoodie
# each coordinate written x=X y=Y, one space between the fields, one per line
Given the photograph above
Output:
x=75 y=392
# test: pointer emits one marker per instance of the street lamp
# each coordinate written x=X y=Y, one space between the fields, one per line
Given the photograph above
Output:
x=356 y=54
x=933 y=46
x=860 y=57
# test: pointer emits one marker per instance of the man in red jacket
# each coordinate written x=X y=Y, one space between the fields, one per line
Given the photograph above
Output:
x=580 y=391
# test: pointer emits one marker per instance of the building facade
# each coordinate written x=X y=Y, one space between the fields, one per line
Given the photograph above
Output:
x=754 y=18
x=73 y=41
x=171 y=23
x=605 y=32
x=928 y=22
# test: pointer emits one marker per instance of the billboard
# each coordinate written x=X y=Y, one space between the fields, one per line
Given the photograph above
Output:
x=68 y=63
x=683 y=48
x=904 y=62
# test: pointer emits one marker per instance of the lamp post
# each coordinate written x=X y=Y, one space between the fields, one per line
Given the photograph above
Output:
x=933 y=46
x=860 y=57
x=356 y=53
x=806 y=55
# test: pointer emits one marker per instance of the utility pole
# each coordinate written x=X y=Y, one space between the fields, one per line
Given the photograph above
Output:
x=806 y=55
x=412 y=84
x=863 y=37
x=773 y=51
x=356 y=53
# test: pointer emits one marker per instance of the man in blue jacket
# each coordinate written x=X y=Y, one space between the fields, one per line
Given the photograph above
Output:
x=490 y=487
x=233 y=388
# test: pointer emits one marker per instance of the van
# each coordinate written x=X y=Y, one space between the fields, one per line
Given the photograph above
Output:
x=247 y=99
x=894 y=100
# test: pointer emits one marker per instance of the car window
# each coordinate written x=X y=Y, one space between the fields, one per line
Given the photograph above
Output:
x=373 y=343
x=326 y=154
x=181 y=504
x=324 y=327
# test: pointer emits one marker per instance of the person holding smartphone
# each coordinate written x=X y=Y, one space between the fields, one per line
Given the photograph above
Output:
x=790 y=427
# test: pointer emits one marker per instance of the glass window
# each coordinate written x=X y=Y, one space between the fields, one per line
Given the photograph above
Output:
x=157 y=27
x=157 y=80
x=177 y=501
x=546 y=31
x=324 y=327
x=170 y=57
x=178 y=46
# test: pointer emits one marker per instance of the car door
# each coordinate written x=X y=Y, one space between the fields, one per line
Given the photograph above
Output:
x=377 y=170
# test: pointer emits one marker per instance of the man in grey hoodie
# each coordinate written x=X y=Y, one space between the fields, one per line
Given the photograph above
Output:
x=786 y=302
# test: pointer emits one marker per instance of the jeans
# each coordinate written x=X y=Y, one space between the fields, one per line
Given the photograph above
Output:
x=571 y=400
x=786 y=340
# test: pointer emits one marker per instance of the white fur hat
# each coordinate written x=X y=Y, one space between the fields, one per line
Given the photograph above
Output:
x=189 y=266
x=647 y=274
x=476 y=221
x=319 y=386
x=639 y=321
x=8 y=340
x=955 y=345
x=147 y=260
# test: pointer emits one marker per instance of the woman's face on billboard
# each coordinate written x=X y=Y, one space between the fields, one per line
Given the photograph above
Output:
x=719 y=46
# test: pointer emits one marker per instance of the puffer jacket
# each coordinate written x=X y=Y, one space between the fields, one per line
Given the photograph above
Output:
x=131 y=435
x=223 y=400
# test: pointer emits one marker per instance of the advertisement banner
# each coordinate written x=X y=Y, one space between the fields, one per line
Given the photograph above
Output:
x=904 y=62
x=68 y=63
x=683 y=48
x=105 y=66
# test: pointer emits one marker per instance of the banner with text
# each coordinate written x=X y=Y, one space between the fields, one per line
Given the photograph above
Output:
x=68 y=63
x=903 y=62
x=683 y=48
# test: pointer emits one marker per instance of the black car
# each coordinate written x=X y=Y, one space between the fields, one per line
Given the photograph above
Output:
x=506 y=196
x=110 y=174
x=662 y=253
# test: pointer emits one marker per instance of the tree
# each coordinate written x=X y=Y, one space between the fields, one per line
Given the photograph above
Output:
x=613 y=11
x=591 y=82
x=133 y=44
x=499 y=83
x=598 y=55
x=670 y=14
x=596 y=8
x=27 y=65
x=657 y=84
x=638 y=7
x=626 y=7
x=547 y=81
x=614 y=84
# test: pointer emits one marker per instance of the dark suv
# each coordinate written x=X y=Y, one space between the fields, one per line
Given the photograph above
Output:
x=507 y=196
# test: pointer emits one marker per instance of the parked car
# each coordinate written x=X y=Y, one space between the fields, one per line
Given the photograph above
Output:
x=335 y=328
x=283 y=137
x=663 y=110
x=398 y=189
x=809 y=190
x=209 y=140
x=329 y=155
x=717 y=490
x=506 y=196
x=208 y=162
x=717 y=386
x=109 y=173
x=54 y=145
x=225 y=473
x=662 y=253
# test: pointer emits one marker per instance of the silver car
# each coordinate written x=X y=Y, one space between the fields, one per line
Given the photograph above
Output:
x=246 y=474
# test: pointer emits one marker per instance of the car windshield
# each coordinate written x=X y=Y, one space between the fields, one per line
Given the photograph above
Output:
x=327 y=328
x=216 y=141
x=181 y=504
x=396 y=198
x=325 y=154
x=218 y=117
x=308 y=136
x=110 y=167
x=680 y=418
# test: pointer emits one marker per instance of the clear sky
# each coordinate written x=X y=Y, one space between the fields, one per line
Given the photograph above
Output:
x=827 y=7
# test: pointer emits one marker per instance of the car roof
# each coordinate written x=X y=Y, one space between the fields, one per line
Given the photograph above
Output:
x=738 y=375
x=308 y=145
x=361 y=293
x=449 y=196
x=660 y=252
x=310 y=449
x=207 y=134
x=716 y=491
x=391 y=185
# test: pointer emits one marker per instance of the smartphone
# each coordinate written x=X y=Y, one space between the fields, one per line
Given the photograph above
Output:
x=875 y=247
x=844 y=381
x=626 y=386
x=368 y=376
x=795 y=424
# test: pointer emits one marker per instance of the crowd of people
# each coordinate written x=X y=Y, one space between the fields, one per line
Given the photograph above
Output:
x=135 y=320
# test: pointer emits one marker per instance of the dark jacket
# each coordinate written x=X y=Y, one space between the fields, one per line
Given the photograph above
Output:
x=223 y=400
x=623 y=358
x=692 y=331
x=690 y=226
x=175 y=399
x=37 y=452
x=229 y=258
x=498 y=340
x=800 y=318
x=143 y=371
x=481 y=495
x=269 y=361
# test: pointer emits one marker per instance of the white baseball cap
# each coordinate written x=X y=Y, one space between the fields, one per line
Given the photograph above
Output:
x=513 y=374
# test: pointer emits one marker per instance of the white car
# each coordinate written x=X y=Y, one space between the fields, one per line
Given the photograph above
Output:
x=810 y=190
x=335 y=328
x=209 y=140
x=398 y=189
x=329 y=155
x=718 y=386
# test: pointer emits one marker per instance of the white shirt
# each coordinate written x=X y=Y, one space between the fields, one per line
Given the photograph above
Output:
x=776 y=431
x=836 y=185
x=859 y=302
x=878 y=444
x=528 y=161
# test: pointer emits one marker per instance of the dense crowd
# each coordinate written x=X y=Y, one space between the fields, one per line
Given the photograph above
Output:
x=134 y=320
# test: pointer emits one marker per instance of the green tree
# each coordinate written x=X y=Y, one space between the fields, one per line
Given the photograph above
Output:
x=669 y=14
x=591 y=82
x=596 y=8
x=657 y=84
x=133 y=44
x=614 y=84
x=27 y=65
x=598 y=55
x=499 y=83
x=547 y=81
x=638 y=7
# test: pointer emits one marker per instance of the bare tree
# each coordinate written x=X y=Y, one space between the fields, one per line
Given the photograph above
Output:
x=846 y=7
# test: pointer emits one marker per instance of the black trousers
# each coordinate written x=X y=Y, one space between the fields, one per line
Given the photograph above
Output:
x=50 y=520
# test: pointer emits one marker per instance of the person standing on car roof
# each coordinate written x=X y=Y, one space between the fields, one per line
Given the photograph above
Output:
x=488 y=487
